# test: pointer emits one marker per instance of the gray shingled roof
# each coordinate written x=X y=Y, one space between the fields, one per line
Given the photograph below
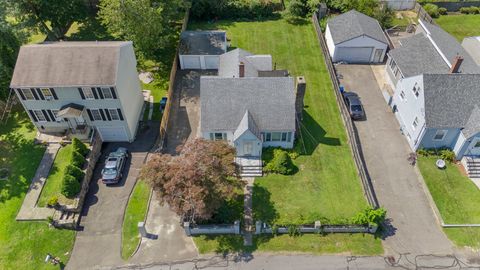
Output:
x=450 y=100
x=247 y=123
x=229 y=63
x=224 y=101
x=354 y=24
x=417 y=55
x=67 y=64
x=203 y=43
x=450 y=47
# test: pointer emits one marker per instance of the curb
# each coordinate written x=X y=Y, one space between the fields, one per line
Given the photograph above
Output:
x=145 y=221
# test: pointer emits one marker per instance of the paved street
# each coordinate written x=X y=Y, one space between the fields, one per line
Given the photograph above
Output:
x=98 y=243
x=413 y=228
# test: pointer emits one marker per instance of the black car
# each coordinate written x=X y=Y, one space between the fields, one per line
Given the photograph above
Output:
x=354 y=105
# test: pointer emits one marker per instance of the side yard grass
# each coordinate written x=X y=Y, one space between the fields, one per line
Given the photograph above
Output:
x=457 y=199
x=24 y=245
x=135 y=212
x=327 y=185
x=460 y=26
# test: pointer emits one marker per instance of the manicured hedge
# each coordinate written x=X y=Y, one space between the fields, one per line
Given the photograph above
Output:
x=75 y=172
x=70 y=186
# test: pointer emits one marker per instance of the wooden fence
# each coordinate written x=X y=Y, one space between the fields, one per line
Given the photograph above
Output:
x=422 y=14
x=351 y=130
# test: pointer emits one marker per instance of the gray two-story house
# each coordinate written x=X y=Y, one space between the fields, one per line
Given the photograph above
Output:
x=78 y=88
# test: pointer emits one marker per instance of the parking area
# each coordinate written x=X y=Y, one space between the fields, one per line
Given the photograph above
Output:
x=398 y=186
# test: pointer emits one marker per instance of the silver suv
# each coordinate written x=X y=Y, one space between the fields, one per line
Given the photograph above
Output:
x=114 y=165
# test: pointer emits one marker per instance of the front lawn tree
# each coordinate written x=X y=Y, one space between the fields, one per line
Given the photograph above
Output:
x=197 y=181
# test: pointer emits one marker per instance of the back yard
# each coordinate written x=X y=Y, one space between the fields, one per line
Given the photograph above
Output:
x=24 y=245
x=460 y=26
x=326 y=186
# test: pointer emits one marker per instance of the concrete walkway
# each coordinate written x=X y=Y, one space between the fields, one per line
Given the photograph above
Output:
x=29 y=211
x=247 y=210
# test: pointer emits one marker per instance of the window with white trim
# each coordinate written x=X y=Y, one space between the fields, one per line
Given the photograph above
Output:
x=40 y=116
x=55 y=113
x=440 y=135
x=277 y=136
x=415 y=123
x=47 y=94
x=218 y=136
x=96 y=114
x=392 y=64
x=88 y=93
x=114 y=114
x=106 y=93
x=402 y=95
x=27 y=93
x=416 y=90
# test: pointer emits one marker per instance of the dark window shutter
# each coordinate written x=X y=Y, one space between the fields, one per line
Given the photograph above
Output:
x=46 y=115
x=100 y=92
x=40 y=94
x=103 y=115
x=120 y=114
x=65 y=119
x=53 y=93
x=80 y=91
x=20 y=93
x=114 y=95
x=34 y=117
x=90 y=115
x=50 y=113
x=34 y=93
x=94 y=91
x=108 y=115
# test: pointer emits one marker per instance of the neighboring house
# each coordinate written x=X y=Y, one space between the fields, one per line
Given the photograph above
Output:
x=77 y=88
x=201 y=49
x=472 y=46
x=250 y=104
x=354 y=37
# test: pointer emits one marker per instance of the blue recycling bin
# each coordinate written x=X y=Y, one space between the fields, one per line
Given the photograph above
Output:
x=342 y=89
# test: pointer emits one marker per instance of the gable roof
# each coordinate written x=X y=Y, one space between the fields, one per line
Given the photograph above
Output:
x=247 y=123
x=450 y=101
x=203 y=43
x=269 y=100
x=68 y=64
x=230 y=61
x=354 y=24
x=472 y=46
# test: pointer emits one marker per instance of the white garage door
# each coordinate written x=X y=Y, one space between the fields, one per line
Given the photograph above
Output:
x=191 y=62
x=113 y=134
x=211 y=62
x=354 y=54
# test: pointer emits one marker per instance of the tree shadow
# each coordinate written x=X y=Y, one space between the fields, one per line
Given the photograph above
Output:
x=311 y=135
x=263 y=207
x=91 y=30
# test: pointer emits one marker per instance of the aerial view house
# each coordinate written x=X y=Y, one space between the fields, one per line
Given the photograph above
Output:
x=201 y=49
x=354 y=37
x=250 y=105
x=78 y=88
x=472 y=46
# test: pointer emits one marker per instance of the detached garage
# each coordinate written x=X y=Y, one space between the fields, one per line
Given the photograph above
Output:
x=201 y=49
x=354 y=37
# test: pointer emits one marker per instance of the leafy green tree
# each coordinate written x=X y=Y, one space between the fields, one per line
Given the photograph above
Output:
x=53 y=18
x=150 y=24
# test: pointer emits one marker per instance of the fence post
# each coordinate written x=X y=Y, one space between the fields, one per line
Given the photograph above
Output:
x=236 y=226
x=186 y=227
x=318 y=226
x=141 y=229
x=258 y=227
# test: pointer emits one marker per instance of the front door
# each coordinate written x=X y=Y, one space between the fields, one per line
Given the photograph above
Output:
x=248 y=148
x=378 y=56
x=80 y=120
x=474 y=147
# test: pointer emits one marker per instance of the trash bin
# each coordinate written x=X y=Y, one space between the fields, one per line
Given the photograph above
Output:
x=342 y=89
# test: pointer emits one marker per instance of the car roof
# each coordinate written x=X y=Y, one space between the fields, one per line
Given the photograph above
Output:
x=111 y=164
x=354 y=101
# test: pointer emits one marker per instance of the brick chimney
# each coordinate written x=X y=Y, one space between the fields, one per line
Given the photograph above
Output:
x=300 y=88
x=457 y=61
x=241 y=70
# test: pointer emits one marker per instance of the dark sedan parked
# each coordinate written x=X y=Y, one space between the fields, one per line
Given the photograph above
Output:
x=354 y=105
x=114 y=165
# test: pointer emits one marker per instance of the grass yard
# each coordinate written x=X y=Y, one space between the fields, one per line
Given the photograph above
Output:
x=53 y=185
x=327 y=185
x=460 y=26
x=457 y=199
x=24 y=245
x=135 y=212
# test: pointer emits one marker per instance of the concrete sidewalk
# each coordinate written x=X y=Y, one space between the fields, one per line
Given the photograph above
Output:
x=29 y=211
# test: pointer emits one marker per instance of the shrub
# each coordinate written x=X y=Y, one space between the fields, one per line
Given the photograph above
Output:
x=233 y=9
x=70 y=186
x=442 y=11
x=293 y=230
x=52 y=201
x=297 y=8
x=432 y=10
x=281 y=163
x=75 y=172
x=424 y=152
x=79 y=147
x=370 y=216
x=470 y=10
x=77 y=159
x=447 y=155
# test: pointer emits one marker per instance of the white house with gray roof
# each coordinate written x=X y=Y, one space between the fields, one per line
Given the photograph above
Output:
x=354 y=37
x=77 y=88
x=250 y=105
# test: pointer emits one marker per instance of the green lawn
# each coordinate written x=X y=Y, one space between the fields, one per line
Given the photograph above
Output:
x=53 y=185
x=24 y=245
x=460 y=26
x=327 y=185
x=135 y=212
x=457 y=199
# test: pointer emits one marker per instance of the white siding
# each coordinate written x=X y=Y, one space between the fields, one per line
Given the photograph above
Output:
x=459 y=145
x=199 y=61
x=362 y=41
x=329 y=40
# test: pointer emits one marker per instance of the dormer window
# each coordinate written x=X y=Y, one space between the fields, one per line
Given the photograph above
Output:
x=416 y=90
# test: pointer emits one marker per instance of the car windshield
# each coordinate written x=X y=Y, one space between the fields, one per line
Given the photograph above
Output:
x=109 y=171
x=356 y=108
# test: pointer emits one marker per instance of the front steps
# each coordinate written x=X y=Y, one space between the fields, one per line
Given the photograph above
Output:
x=66 y=219
x=249 y=166
x=472 y=165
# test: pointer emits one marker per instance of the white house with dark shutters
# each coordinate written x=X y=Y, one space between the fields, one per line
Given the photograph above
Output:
x=78 y=88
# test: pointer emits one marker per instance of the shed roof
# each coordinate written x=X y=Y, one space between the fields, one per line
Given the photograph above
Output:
x=203 y=43
x=68 y=64
x=354 y=24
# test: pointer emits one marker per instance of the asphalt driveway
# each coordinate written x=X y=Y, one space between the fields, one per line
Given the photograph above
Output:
x=98 y=242
x=414 y=228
